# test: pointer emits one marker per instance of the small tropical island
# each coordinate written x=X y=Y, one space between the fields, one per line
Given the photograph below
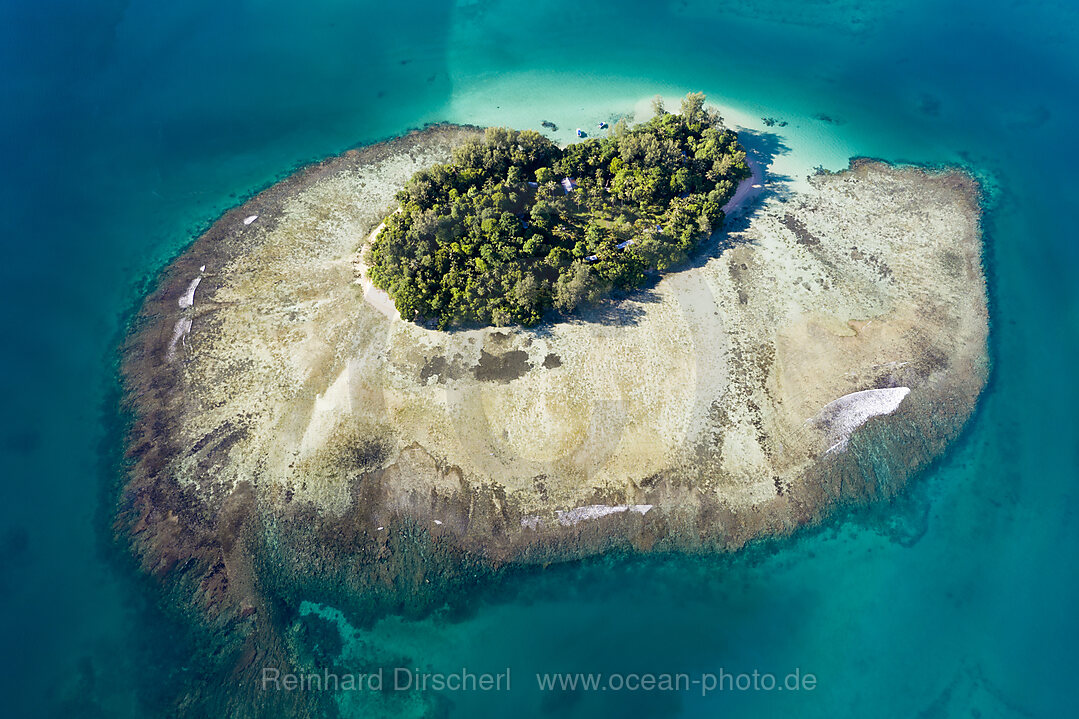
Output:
x=296 y=440
x=515 y=225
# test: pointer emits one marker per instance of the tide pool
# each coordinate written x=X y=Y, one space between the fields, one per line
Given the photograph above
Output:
x=131 y=125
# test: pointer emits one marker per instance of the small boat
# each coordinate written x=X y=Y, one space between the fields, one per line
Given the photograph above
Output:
x=603 y=125
x=580 y=132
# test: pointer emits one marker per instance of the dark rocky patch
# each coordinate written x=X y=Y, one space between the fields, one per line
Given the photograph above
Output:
x=929 y=105
x=502 y=367
x=827 y=118
x=802 y=234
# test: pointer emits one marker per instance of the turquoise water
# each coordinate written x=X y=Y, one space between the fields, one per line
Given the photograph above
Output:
x=128 y=125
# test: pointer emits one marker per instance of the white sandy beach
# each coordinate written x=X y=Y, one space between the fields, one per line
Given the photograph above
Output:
x=748 y=190
x=374 y=296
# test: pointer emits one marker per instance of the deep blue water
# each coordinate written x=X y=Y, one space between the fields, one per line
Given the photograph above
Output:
x=128 y=125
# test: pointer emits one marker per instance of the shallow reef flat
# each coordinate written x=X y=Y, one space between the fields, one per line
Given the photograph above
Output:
x=293 y=440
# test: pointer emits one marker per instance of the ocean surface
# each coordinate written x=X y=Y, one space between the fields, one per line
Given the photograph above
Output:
x=128 y=125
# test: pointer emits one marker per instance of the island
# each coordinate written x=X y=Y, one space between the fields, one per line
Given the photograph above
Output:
x=295 y=438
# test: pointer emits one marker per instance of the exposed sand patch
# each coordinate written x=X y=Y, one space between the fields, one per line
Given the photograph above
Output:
x=179 y=332
x=188 y=298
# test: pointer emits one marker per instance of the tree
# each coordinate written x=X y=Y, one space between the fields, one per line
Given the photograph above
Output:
x=657 y=106
x=527 y=291
x=558 y=258
x=680 y=181
x=575 y=287
x=533 y=245
x=693 y=107
x=543 y=214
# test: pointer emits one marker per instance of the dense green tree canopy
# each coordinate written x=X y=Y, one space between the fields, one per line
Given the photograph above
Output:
x=514 y=225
